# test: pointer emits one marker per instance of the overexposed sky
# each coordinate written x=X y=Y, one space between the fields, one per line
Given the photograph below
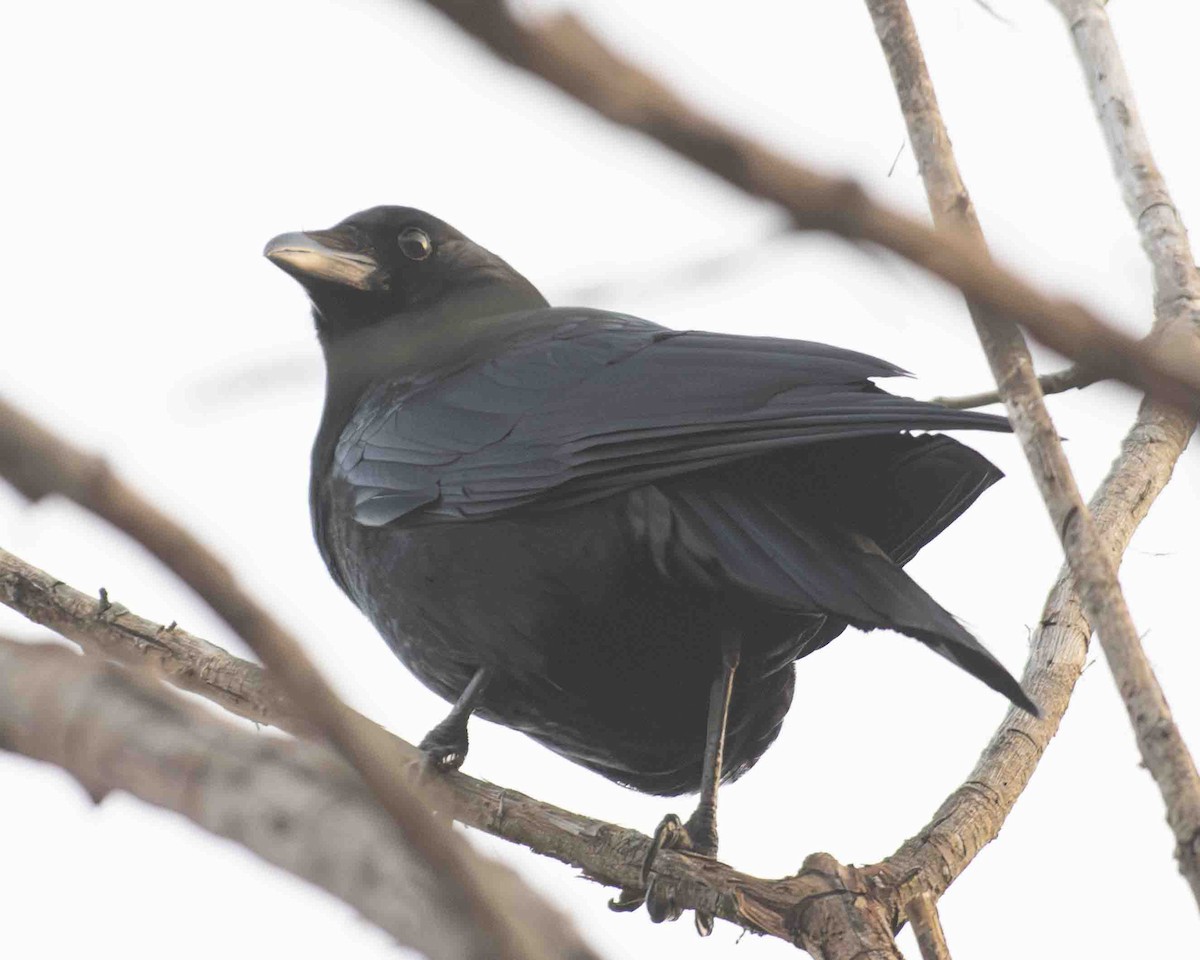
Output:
x=153 y=148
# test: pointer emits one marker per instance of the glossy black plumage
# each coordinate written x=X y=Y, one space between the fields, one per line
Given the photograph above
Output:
x=587 y=503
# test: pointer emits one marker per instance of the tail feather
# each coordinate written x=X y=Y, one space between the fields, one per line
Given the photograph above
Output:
x=763 y=547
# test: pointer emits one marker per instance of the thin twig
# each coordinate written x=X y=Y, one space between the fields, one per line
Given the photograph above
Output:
x=561 y=50
x=1177 y=320
x=38 y=463
x=1091 y=565
x=1073 y=378
x=296 y=805
x=922 y=913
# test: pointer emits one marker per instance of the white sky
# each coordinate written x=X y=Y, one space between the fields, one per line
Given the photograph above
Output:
x=154 y=148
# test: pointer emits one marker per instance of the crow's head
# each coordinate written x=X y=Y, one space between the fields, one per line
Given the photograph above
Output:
x=389 y=263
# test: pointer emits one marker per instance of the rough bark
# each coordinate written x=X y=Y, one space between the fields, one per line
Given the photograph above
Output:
x=108 y=628
x=1177 y=323
x=296 y=805
x=922 y=913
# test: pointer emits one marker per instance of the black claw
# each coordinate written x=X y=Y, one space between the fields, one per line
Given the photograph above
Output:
x=660 y=907
x=669 y=834
x=627 y=901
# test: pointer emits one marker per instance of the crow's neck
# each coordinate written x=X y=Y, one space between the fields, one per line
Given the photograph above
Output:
x=416 y=346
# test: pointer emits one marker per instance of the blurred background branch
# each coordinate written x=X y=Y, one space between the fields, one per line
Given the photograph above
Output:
x=38 y=463
x=294 y=804
x=607 y=853
x=561 y=50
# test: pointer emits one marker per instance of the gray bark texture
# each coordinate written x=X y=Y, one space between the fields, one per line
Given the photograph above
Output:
x=296 y=805
x=1093 y=568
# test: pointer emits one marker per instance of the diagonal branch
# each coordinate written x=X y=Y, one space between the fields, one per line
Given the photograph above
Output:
x=296 y=805
x=799 y=909
x=922 y=913
x=971 y=817
x=1177 y=321
x=1091 y=565
x=612 y=855
x=39 y=463
x=562 y=51
x=832 y=910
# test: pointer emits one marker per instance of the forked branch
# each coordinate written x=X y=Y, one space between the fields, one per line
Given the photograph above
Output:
x=1092 y=567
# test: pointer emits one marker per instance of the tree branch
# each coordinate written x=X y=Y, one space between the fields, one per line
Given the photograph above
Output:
x=870 y=901
x=971 y=817
x=968 y=820
x=1073 y=378
x=1177 y=320
x=296 y=805
x=561 y=50
x=39 y=463
x=791 y=908
x=169 y=652
x=922 y=913
x=1092 y=566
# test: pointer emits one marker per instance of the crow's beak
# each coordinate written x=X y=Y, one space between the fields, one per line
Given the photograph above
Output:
x=329 y=255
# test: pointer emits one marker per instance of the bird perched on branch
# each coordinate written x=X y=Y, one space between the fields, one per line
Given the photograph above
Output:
x=611 y=536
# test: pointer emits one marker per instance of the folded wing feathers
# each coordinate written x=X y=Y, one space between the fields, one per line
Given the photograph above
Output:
x=608 y=402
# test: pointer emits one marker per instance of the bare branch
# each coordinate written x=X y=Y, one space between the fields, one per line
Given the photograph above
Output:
x=968 y=819
x=1092 y=566
x=971 y=817
x=294 y=804
x=608 y=854
x=1177 y=320
x=796 y=909
x=169 y=652
x=1073 y=378
x=39 y=463
x=1143 y=188
x=561 y=50
x=922 y=913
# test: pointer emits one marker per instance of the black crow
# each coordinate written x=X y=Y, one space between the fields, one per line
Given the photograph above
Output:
x=611 y=536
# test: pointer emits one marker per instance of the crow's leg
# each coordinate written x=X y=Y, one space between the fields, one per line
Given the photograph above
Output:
x=701 y=827
x=699 y=834
x=445 y=746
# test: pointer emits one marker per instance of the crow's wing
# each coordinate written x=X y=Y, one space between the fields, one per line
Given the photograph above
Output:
x=600 y=403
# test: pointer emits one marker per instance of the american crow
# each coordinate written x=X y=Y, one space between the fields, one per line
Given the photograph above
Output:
x=611 y=536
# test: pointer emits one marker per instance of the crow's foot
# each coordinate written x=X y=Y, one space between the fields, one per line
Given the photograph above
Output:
x=697 y=836
x=445 y=746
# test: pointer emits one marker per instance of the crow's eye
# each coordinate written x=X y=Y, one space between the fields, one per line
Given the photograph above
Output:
x=415 y=243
